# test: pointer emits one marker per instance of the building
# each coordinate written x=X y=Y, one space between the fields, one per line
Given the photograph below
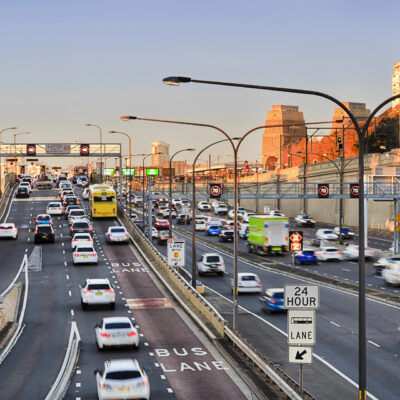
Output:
x=158 y=160
x=396 y=84
x=275 y=139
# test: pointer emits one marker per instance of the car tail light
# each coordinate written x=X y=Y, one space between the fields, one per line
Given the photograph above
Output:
x=239 y=283
x=101 y=384
x=90 y=228
x=324 y=252
x=37 y=221
x=145 y=381
x=86 y=291
x=130 y=334
x=71 y=229
x=258 y=282
x=93 y=255
x=126 y=235
x=74 y=240
x=77 y=255
x=104 y=334
x=339 y=252
x=271 y=300
x=109 y=290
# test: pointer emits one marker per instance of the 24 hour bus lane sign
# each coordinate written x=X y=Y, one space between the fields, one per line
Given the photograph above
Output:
x=301 y=297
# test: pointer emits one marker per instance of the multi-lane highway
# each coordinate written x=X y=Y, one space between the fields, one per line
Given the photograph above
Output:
x=180 y=362
x=335 y=370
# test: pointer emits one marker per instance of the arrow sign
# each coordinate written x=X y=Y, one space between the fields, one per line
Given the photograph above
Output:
x=300 y=355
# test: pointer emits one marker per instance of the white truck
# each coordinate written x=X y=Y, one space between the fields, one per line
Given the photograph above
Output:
x=268 y=234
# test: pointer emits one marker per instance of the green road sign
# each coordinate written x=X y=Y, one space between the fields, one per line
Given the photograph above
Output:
x=109 y=171
x=127 y=171
x=152 y=171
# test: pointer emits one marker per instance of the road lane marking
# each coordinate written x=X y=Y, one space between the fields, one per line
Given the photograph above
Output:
x=69 y=293
x=63 y=251
x=373 y=343
x=78 y=384
x=67 y=276
x=334 y=323
x=170 y=390
x=62 y=243
x=345 y=269
x=72 y=312
x=163 y=377
x=65 y=263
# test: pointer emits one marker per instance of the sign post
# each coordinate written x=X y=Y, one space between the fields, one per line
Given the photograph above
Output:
x=176 y=253
x=301 y=302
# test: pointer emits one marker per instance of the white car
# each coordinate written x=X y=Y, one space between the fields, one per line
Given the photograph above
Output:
x=221 y=208
x=55 y=208
x=134 y=218
x=81 y=239
x=8 y=230
x=326 y=234
x=204 y=206
x=76 y=214
x=244 y=231
x=26 y=185
x=165 y=213
x=122 y=379
x=241 y=211
x=391 y=273
x=246 y=216
x=200 y=225
x=117 y=234
x=248 y=283
x=84 y=254
x=329 y=253
x=116 y=331
x=211 y=262
x=351 y=252
x=277 y=213
x=85 y=194
x=154 y=233
x=97 y=291
x=304 y=220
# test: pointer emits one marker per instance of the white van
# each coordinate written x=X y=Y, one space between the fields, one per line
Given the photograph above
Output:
x=200 y=224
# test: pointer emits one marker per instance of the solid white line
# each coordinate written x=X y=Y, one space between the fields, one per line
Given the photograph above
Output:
x=319 y=358
x=334 y=323
x=373 y=343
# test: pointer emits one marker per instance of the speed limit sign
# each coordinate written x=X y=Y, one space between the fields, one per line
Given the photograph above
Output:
x=354 y=190
x=323 y=190
x=215 y=190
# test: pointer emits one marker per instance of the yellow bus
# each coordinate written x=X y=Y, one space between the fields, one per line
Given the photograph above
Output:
x=102 y=201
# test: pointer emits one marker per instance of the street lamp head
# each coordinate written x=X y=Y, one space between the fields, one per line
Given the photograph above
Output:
x=299 y=152
x=89 y=125
x=176 y=80
x=190 y=149
x=112 y=132
x=127 y=117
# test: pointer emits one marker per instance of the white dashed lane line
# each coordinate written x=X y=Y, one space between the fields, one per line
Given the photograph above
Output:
x=72 y=312
x=373 y=343
x=334 y=323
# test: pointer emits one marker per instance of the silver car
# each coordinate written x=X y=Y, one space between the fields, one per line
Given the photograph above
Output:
x=116 y=331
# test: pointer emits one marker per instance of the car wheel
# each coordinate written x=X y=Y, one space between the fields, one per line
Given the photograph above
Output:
x=221 y=273
x=84 y=306
x=98 y=347
x=112 y=306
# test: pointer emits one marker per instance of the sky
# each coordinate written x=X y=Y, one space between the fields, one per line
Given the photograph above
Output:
x=67 y=63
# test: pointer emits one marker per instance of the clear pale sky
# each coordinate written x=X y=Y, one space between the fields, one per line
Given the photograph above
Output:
x=68 y=63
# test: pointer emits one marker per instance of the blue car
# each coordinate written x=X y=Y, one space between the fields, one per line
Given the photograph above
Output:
x=273 y=300
x=306 y=256
x=213 y=230
x=43 y=219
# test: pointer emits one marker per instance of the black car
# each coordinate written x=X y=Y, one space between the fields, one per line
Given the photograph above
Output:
x=70 y=201
x=226 y=236
x=22 y=192
x=183 y=219
x=80 y=227
x=44 y=233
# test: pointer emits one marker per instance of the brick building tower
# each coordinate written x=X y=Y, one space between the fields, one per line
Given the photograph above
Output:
x=396 y=84
x=274 y=140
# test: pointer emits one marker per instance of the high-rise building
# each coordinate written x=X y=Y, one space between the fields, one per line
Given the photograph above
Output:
x=159 y=159
x=396 y=84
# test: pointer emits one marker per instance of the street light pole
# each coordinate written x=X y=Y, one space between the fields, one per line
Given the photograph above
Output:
x=101 y=149
x=1 y=132
x=170 y=189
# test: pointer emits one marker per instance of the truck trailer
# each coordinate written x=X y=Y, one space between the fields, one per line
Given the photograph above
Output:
x=268 y=234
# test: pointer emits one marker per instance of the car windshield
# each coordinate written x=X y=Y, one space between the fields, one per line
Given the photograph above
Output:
x=248 y=278
x=213 y=259
x=278 y=295
x=214 y=227
x=85 y=249
x=118 y=325
x=6 y=227
x=310 y=252
x=123 y=375
x=99 y=199
x=43 y=217
x=98 y=286
x=228 y=233
x=328 y=231
x=54 y=205
x=82 y=237
x=77 y=212
x=118 y=230
x=331 y=249
x=305 y=216
x=81 y=225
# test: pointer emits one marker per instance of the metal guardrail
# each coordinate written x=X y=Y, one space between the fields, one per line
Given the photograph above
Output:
x=5 y=199
x=20 y=326
x=60 y=385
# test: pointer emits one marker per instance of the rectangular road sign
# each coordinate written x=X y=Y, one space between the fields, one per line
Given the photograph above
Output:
x=398 y=218
x=176 y=253
x=301 y=327
x=58 y=148
x=300 y=355
x=301 y=296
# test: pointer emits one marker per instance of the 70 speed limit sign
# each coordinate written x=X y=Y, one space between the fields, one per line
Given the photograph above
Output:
x=215 y=190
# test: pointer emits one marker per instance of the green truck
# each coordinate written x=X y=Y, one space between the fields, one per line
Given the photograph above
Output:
x=268 y=234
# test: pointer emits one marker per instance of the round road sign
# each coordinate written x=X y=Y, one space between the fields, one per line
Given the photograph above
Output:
x=215 y=190
x=31 y=150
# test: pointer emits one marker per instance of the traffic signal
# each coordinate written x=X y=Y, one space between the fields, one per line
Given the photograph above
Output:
x=295 y=240
x=31 y=149
x=340 y=144
x=323 y=190
x=85 y=149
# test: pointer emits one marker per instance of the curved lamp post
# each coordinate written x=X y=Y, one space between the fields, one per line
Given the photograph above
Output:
x=170 y=188
x=362 y=344
x=236 y=197
x=101 y=148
